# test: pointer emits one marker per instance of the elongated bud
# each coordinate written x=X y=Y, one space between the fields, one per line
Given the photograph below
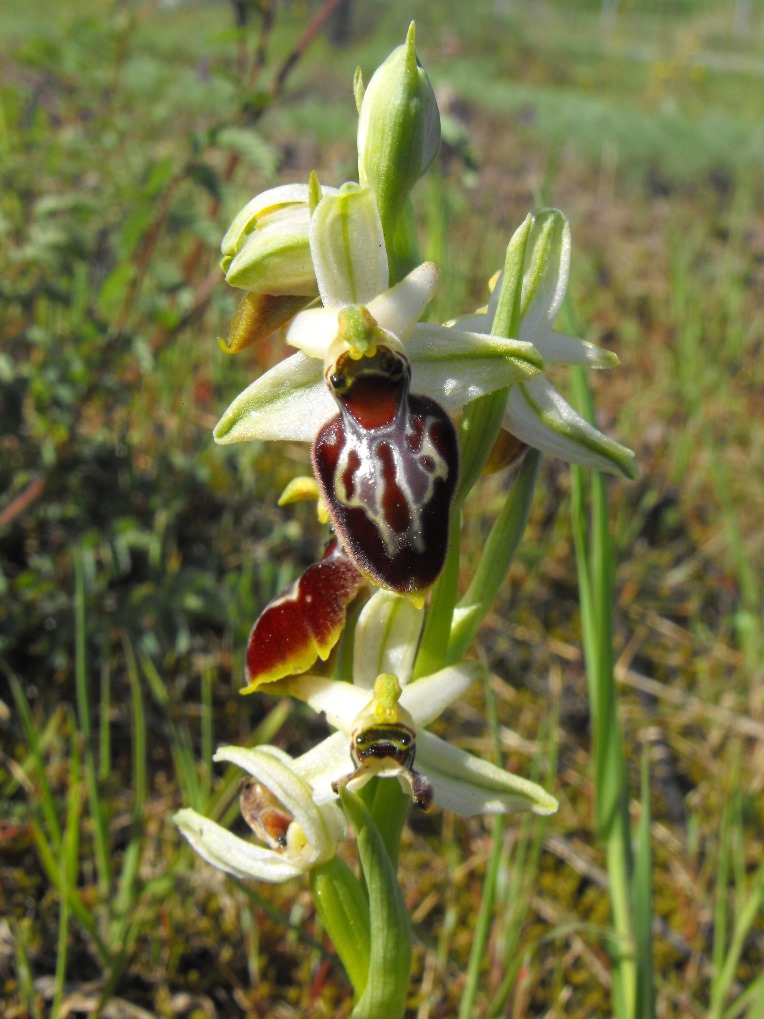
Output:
x=398 y=131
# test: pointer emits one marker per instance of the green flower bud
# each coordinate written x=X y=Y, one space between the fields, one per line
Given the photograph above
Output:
x=267 y=248
x=398 y=132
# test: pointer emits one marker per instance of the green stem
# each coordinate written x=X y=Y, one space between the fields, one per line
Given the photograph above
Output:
x=390 y=929
x=595 y=573
x=496 y=559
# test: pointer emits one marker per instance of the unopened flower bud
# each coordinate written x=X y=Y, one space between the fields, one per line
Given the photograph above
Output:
x=398 y=131
x=267 y=249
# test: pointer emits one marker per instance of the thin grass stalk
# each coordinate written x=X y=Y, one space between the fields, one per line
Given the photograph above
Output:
x=181 y=745
x=437 y=628
x=67 y=876
x=44 y=795
x=747 y=618
x=643 y=900
x=104 y=728
x=206 y=733
x=751 y=1001
x=99 y=809
x=497 y=556
x=50 y=863
x=525 y=862
x=126 y=890
x=723 y=868
x=750 y=909
x=24 y=970
x=749 y=901
x=595 y=573
x=482 y=929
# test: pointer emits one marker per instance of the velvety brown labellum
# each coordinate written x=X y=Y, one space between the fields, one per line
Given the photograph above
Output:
x=264 y=814
x=387 y=467
x=304 y=622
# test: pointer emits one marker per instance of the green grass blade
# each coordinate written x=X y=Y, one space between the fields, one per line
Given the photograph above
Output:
x=432 y=650
x=50 y=863
x=125 y=898
x=181 y=744
x=595 y=571
x=642 y=895
x=24 y=970
x=488 y=898
x=44 y=796
x=104 y=728
x=749 y=901
x=67 y=869
x=208 y=677
x=99 y=808
x=525 y=863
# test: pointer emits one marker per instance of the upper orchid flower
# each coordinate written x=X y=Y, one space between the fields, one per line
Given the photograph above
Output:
x=453 y=366
x=279 y=806
x=382 y=720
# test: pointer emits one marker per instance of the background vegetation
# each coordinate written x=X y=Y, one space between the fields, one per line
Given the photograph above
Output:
x=134 y=555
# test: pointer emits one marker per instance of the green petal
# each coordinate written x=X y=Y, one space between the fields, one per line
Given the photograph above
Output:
x=455 y=367
x=341 y=702
x=429 y=696
x=323 y=829
x=560 y=348
x=325 y=763
x=400 y=307
x=276 y=260
x=291 y=401
x=277 y=203
x=545 y=276
x=537 y=414
x=396 y=310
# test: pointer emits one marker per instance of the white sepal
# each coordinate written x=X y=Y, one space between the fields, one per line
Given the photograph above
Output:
x=469 y=785
x=540 y=417
x=228 y=852
x=290 y=401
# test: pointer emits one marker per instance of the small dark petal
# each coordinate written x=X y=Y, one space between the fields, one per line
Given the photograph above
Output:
x=304 y=622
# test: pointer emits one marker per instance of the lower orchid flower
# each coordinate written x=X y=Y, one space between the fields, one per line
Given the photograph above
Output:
x=382 y=720
x=280 y=807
